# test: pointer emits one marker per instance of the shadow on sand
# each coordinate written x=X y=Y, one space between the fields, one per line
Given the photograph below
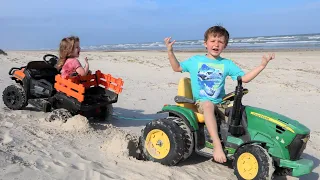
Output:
x=132 y=118
x=196 y=159
x=124 y=118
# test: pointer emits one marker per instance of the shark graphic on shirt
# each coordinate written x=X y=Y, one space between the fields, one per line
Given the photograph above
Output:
x=210 y=77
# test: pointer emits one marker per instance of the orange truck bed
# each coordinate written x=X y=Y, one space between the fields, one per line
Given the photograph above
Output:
x=76 y=86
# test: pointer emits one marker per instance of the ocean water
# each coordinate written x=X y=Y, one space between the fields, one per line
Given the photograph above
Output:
x=301 y=41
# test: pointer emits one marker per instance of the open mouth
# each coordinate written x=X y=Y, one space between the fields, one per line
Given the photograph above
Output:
x=215 y=49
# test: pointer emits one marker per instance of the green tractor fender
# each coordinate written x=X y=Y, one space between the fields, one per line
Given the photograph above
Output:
x=187 y=115
x=262 y=144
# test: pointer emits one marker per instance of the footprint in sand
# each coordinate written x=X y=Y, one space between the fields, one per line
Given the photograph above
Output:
x=41 y=165
x=51 y=166
x=14 y=159
x=97 y=165
x=7 y=124
x=66 y=154
x=37 y=144
x=6 y=138
x=60 y=163
x=79 y=166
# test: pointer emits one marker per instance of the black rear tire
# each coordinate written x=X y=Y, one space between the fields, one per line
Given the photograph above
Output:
x=166 y=129
x=14 y=97
x=188 y=136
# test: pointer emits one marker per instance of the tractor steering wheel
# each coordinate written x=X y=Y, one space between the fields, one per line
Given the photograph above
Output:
x=52 y=61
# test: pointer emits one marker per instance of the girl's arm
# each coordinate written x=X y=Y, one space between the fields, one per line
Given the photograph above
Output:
x=83 y=71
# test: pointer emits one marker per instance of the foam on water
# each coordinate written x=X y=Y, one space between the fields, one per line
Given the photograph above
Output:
x=264 y=42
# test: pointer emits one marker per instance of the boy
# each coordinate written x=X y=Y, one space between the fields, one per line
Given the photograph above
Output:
x=208 y=73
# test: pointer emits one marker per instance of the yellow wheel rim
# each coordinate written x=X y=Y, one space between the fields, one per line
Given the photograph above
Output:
x=247 y=166
x=157 y=144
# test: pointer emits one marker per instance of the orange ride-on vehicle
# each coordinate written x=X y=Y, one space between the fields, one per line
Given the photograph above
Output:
x=41 y=85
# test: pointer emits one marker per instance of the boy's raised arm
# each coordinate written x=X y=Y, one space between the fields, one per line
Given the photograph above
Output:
x=253 y=73
x=172 y=58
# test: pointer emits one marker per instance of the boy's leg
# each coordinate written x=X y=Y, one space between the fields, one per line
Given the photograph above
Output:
x=208 y=109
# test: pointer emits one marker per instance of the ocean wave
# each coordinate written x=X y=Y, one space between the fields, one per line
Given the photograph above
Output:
x=261 y=41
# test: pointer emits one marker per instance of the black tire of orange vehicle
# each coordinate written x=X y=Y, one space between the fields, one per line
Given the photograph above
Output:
x=14 y=97
x=106 y=113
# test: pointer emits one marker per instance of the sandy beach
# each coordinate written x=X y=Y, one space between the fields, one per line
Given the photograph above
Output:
x=31 y=148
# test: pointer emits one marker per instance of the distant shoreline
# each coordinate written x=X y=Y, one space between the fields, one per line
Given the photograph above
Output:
x=299 y=42
x=229 y=50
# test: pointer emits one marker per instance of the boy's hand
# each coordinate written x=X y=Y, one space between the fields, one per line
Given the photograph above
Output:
x=168 y=43
x=266 y=59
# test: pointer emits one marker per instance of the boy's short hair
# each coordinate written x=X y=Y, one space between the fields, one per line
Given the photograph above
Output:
x=217 y=31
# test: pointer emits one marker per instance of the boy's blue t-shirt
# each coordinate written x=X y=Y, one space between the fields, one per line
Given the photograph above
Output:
x=208 y=76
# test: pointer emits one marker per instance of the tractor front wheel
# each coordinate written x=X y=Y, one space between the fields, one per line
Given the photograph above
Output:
x=163 y=141
x=253 y=162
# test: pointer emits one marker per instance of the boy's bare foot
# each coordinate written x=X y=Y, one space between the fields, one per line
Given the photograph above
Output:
x=219 y=156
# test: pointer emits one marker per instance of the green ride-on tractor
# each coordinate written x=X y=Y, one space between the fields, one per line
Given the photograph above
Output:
x=261 y=143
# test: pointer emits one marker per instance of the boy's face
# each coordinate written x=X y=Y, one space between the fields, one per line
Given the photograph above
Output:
x=215 y=45
x=76 y=49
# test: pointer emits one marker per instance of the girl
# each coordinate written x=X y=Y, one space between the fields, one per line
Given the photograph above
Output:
x=68 y=63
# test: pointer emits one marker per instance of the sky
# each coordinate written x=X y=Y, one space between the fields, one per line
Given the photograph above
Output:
x=36 y=24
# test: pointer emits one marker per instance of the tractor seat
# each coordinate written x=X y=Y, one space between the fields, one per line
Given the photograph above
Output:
x=184 y=90
x=184 y=98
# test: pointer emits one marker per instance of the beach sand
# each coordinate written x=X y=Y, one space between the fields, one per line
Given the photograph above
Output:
x=32 y=148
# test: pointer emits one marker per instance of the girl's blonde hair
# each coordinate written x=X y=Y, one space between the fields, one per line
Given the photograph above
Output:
x=65 y=50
